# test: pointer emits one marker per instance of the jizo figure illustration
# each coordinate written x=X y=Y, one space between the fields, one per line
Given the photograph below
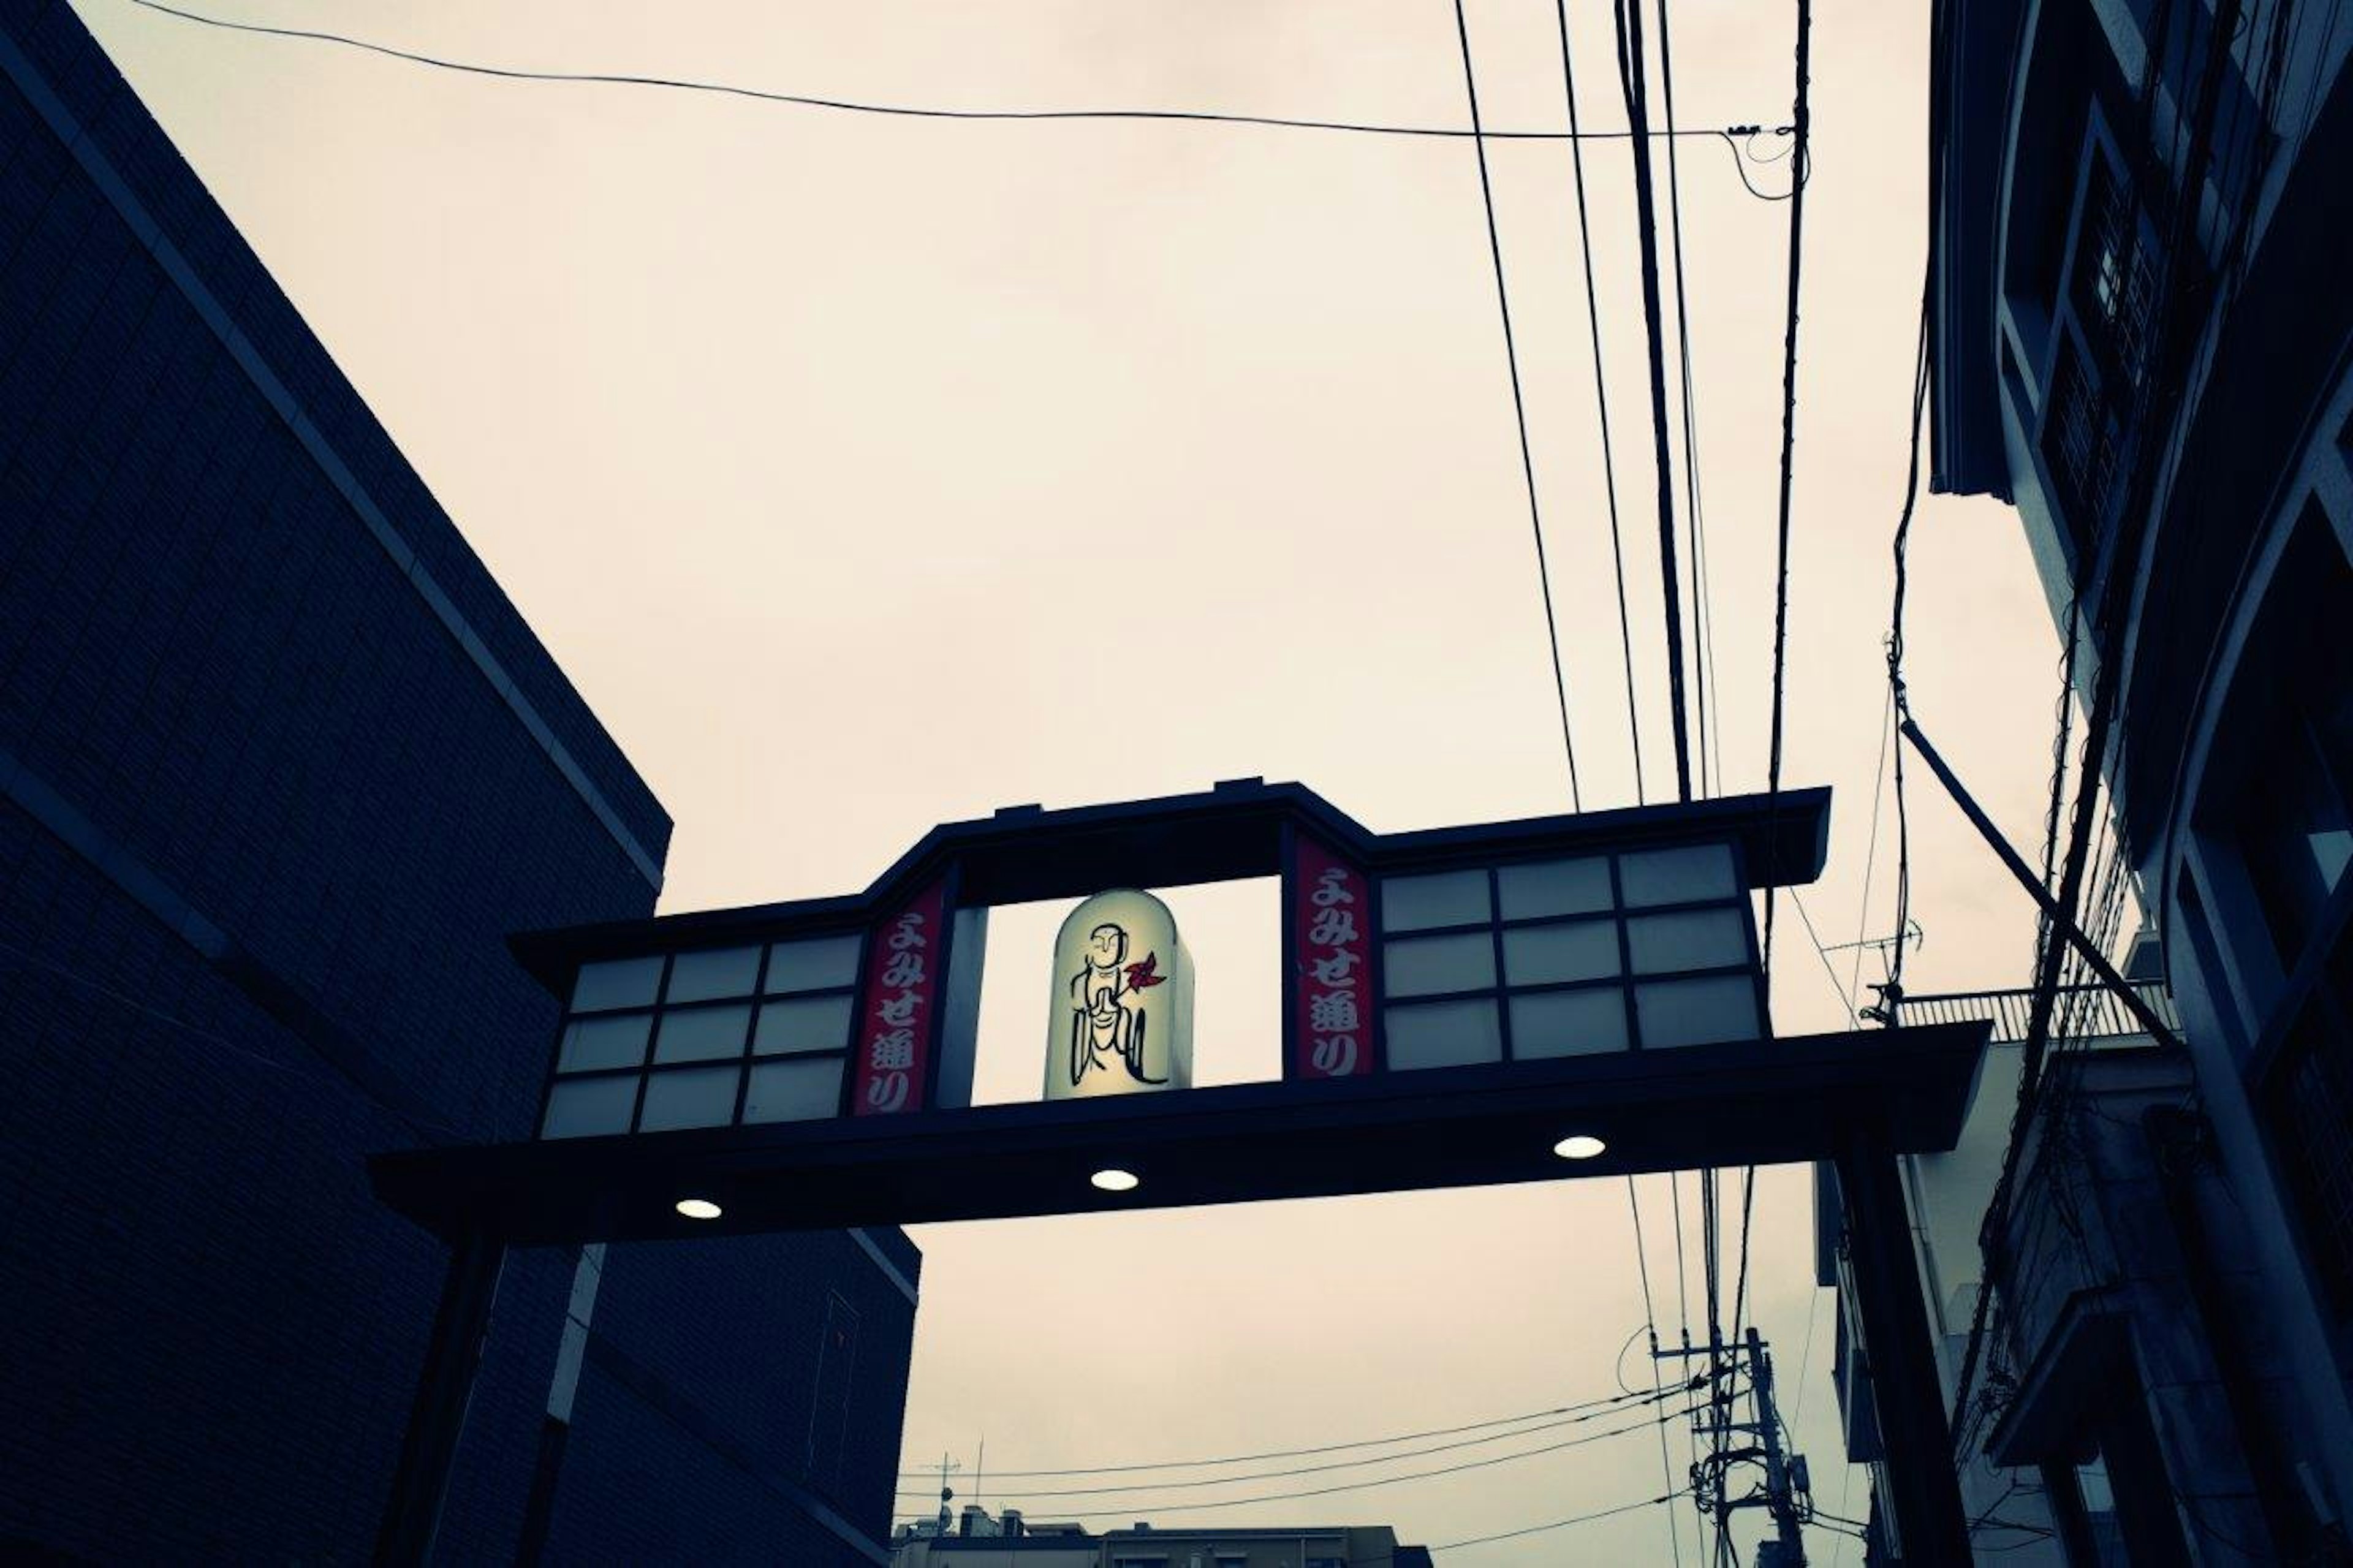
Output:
x=1108 y=1022
x=1120 y=1015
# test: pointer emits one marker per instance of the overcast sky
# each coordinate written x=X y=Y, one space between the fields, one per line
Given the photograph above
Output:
x=867 y=473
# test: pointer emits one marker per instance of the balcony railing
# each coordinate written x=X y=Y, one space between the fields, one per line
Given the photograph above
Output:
x=2082 y=1012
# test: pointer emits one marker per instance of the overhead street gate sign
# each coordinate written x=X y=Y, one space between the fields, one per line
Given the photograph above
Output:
x=1508 y=1002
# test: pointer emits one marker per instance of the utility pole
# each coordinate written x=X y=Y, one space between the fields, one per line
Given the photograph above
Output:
x=1757 y=1441
x=1781 y=1497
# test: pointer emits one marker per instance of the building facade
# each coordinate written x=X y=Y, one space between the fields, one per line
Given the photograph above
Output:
x=280 y=768
x=976 y=1540
x=2139 y=335
x=2105 y=1348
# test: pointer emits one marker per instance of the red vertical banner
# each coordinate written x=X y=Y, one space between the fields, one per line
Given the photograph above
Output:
x=1334 y=1024
x=906 y=970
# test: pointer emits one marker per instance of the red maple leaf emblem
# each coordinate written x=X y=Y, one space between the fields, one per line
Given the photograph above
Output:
x=1140 y=975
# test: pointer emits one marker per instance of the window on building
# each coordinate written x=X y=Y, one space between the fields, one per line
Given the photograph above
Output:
x=2109 y=296
x=1648 y=948
x=2294 y=810
x=2306 y=1102
x=2115 y=279
x=2288 y=811
x=705 y=1038
x=2082 y=435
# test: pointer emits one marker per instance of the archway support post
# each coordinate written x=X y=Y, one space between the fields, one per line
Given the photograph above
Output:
x=445 y=1386
x=1923 y=1479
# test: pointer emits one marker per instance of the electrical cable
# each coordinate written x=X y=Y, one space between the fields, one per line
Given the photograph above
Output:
x=1631 y=84
x=1719 y=1404
x=1830 y=971
x=1660 y=1397
x=804 y=100
x=1150 y=1506
x=1898 y=698
x=1683 y=1281
x=1683 y=1319
x=1602 y=396
x=1869 y=856
x=1559 y=1523
x=1802 y=119
x=1519 y=403
x=1740 y=1278
x=1687 y=396
x=1799 y=171
x=1650 y=1325
x=1674 y=1536
x=1630 y=1396
x=1805 y=1361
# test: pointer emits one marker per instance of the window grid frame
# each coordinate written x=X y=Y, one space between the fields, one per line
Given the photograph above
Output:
x=742 y=1060
x=1620 y=914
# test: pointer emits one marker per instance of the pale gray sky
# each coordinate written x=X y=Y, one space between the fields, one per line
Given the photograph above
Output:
x=808 y=441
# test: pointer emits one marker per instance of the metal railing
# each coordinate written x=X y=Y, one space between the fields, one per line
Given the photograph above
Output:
x=2083 y=1012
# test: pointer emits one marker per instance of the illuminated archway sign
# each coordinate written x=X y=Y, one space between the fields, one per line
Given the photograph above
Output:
x=1121 y=1020
x=1455 y=1003
x=1507 y=1001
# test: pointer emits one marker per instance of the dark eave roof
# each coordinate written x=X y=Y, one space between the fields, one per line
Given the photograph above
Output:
x=1025 y=853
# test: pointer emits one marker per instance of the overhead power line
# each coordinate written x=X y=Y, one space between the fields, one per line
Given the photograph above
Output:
x=1731 y=136
x=1802 y=118
x=1385 y=1558
x=1823 y=954
x=1600 y=394
x=1628 y=1398
x=1519 y=406
x=1650 y=1327
x=1630 y=81
x=1659 y=1397
x=1560 y=1523
x=1705 y=727
x=1132 y=1509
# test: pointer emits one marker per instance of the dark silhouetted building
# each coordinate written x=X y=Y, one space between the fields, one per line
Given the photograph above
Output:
x=280 y=768
x=2139 y=333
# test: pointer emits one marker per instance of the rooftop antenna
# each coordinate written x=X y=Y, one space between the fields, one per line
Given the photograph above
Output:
x=947 y=1493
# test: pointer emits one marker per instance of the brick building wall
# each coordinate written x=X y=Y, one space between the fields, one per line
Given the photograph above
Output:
x=737 y=1348
x=280 y=769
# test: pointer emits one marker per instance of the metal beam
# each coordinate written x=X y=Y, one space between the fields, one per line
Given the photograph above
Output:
x=1766 y=1102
